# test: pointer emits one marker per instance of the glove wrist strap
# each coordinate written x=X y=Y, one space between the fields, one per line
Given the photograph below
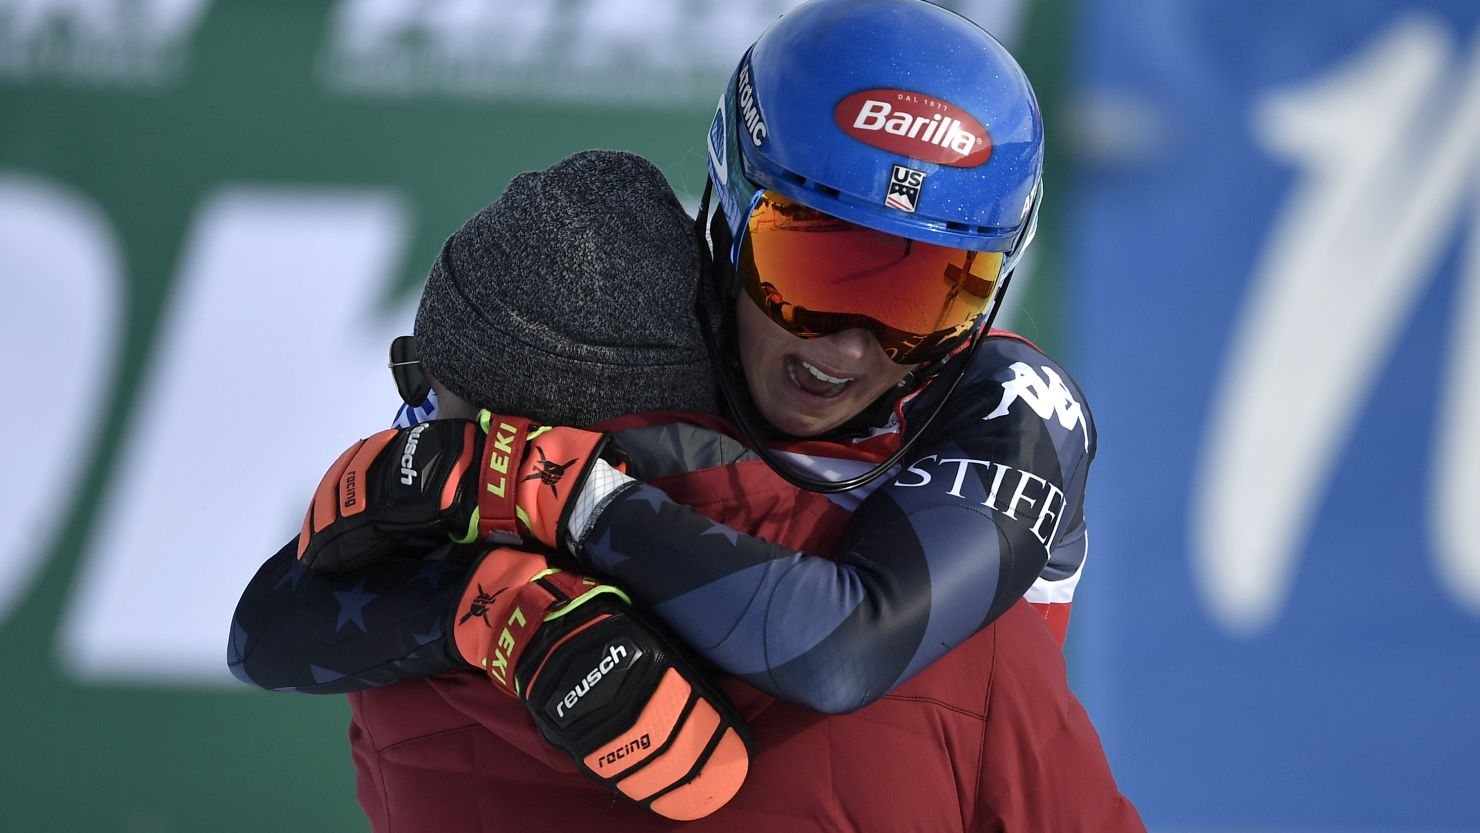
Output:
x=552 y=479
x=497 y=518
x=499 y=610
x=510 y=595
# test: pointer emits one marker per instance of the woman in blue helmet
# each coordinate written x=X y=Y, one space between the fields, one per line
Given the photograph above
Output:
x=872 y=204
x=867 y=224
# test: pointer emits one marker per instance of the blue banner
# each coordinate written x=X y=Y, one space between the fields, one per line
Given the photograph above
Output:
x=1275 y=275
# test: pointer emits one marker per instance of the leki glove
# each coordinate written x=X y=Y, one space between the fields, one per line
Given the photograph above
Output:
x=530 y=476
x=499 y=479
x=603 y=685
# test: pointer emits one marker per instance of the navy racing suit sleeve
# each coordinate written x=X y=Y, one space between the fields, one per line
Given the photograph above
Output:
x=318 y=633
x=929 y=558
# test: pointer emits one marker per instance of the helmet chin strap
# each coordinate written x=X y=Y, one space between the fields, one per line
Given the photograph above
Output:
x=713 y=335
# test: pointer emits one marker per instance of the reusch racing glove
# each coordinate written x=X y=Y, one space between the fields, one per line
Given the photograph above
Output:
x=383 y=489
x=500 y=479
x=603 y=684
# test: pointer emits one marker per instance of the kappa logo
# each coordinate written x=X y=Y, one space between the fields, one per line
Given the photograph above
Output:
x=904 y=188
x=915 y=125
x=1047 y=399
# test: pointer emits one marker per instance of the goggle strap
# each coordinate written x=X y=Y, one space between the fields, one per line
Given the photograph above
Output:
x=738 y=235
x=1030 y=230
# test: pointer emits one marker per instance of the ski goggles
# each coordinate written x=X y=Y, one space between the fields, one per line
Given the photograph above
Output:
x=816 y=275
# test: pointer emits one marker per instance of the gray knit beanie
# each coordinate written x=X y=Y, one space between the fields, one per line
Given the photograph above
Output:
x=570 y=300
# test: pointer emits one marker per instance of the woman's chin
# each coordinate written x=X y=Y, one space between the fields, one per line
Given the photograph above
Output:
x=807 y=416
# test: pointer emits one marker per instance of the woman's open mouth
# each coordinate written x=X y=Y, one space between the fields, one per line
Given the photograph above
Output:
x=813 y=380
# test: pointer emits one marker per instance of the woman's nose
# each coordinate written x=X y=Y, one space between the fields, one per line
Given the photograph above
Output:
x=855 y=345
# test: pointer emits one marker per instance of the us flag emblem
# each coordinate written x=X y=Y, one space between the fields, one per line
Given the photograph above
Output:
x=904 y=188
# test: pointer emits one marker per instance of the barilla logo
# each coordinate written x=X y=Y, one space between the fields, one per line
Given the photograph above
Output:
x=749 y=106
x=915 y=125
x=408 y=455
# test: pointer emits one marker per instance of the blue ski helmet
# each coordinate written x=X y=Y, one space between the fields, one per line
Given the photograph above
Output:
x=848 y=126
x=895 y=115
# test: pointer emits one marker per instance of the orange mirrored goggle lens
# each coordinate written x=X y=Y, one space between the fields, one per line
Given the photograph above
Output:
x=817 y=275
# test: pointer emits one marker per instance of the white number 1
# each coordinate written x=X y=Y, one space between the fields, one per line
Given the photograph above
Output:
x=1386 y=150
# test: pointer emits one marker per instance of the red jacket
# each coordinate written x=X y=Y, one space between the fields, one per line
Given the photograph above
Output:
x=988 y=738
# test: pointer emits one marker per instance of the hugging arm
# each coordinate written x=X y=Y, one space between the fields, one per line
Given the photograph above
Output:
x=926 y=561
x=317 y=633
x=930 y=558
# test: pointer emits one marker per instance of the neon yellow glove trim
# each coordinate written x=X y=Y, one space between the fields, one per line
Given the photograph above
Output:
x=472 y=533
x=586 y=597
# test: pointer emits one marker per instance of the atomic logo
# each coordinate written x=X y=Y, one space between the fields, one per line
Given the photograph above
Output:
x=749 y=106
